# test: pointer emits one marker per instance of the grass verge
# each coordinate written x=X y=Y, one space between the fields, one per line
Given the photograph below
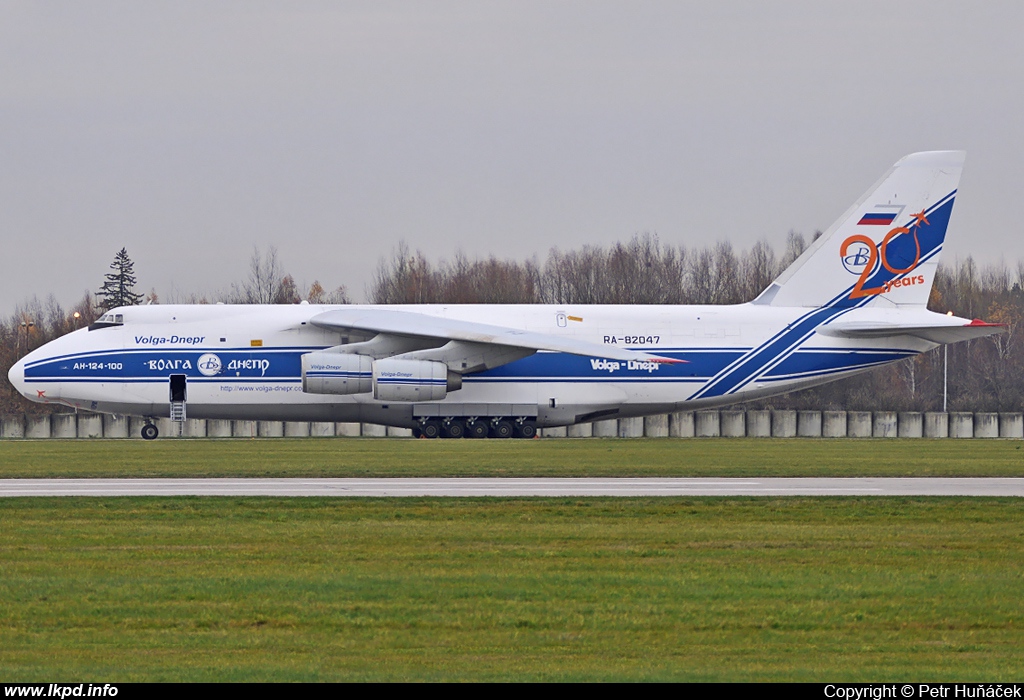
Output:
x=796 y=589
x=338 y=457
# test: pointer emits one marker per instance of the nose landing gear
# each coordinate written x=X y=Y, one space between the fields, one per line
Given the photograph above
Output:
x=149 y=432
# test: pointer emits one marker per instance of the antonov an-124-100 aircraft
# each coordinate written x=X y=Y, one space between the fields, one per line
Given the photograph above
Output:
x=854 y=300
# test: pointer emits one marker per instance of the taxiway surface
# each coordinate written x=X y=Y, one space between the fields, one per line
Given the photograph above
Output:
x=502 y=487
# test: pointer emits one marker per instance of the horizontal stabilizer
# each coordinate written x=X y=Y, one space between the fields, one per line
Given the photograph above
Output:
x=407 y=323
x=941 y=334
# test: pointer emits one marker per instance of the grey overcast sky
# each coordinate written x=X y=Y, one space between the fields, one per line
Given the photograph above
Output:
x=189 y=132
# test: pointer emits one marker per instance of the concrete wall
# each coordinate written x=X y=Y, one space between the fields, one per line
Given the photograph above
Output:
x=936 y=425
x=707 y=424
x=808 y=423
x=759 y=423
x=833 y=424
x=784 y=424
x=858 y=424
x=910 y=425
x=685 y=424
x=986 y=425
x=656 y=426
x=884 y=424
x=581 y=430
x=961 y=425
x=733 y=424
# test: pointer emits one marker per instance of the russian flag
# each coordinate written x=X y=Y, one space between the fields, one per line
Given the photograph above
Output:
x=881 y=215
x=876 y=219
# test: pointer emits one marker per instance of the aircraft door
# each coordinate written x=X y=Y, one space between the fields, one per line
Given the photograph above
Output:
x=178 y=395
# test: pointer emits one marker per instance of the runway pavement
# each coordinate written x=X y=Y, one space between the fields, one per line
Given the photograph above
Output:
x=549 y=487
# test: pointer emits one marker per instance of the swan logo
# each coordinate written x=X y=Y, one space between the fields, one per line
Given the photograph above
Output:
x=856 y=258
x=209 y=365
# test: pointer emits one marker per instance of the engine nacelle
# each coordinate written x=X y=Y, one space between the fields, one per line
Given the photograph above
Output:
x=336 y=373
x=413 y=380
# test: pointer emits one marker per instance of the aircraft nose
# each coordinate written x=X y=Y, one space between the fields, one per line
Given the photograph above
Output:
x=16 y=376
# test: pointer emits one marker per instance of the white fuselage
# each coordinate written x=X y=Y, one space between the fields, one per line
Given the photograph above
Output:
x=243 y=362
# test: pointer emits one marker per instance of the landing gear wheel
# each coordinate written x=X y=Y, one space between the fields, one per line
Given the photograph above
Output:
x=417 y=433
x=455 y=429
x=526 y=430
x=477 y=429
x=149 y=432
x=502 y=429
x=431 y=429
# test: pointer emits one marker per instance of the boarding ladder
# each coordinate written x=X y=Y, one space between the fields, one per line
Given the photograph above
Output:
x=178 y=411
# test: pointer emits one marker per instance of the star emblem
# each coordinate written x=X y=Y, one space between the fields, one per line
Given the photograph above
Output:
x=41 y=393
x=921 y=218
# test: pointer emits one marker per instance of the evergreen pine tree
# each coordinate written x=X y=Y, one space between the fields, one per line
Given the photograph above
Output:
x=118 y=287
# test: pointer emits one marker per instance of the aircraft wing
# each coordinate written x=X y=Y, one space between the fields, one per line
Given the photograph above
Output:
x=416 y=325
x=945 y=333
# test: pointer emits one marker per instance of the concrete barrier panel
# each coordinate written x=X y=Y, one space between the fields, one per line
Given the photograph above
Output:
x=90 y=425
x=833 y=424
x=707 y=424
x=559 y=432
x=986 y=425
x=37 y=427
x=858 y=424
x=759 y=423
x=631 y=427
x=961 y=425
x=218 y=428
x=373 y=430
x=581 y=430
x=936 y=424
x=606 y=428
x=296 y=429
x=656 y=426
x=194 y=428
x=1011 y=425
x=169 y=428
x=243 y=428
x=681 y=425
x=270 y=428
x=392 y=431
x=12 y=427
x=115 y=426
x=808 y=424
x=135 y=424
x=64 y=425
x=321 y=429
x=911 y=424
x=885 y=424
x=348 y=429
x=732 y=423
x=783 y=423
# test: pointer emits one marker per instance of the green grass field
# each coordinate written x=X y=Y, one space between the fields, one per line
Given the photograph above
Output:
x=563 y=457
x=526 y=589
x=749 y=589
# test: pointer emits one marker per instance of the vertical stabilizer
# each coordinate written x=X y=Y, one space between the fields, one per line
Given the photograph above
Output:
x=884 y=250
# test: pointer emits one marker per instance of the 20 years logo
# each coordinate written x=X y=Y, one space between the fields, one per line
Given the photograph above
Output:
x=859 y=255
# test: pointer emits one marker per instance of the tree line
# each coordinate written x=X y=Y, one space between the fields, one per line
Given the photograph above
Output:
x=982 y=375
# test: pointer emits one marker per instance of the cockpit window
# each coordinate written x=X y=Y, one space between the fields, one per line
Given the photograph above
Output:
x=107 y=320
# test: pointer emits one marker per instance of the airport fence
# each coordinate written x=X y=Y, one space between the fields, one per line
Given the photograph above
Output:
x=684 y=424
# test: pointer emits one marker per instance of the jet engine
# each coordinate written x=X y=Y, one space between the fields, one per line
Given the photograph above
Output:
x=413 y=380
x=336 y=373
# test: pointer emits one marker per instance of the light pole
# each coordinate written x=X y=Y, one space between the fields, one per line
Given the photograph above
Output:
x=945 y=374
x=26 y=325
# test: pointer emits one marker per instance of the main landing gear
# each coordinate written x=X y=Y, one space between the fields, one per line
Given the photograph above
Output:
x=149 y=432
x=476 y=428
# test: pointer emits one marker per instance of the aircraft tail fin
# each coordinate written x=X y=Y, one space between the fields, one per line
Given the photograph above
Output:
x=884 y=250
